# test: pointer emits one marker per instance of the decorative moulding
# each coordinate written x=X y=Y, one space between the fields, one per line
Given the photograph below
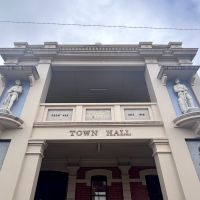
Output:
x=99 y=124
x=44 y=60
x=147 y=45
x=96 y=172
x=175 y=45
x=182 y=72
x=19 y=72
x=54 y=50
x=36 y=147
x=21 y=44
x=149 y=60
x=50 y=45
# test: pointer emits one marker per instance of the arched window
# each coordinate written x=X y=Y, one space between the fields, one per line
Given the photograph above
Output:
x=98 y=188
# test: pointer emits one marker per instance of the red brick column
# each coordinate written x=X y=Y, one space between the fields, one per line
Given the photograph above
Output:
x=138 y=190
x=115 y=191
x=82 y=191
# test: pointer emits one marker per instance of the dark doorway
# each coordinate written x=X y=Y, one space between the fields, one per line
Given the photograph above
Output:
x=51 y=185
x=153 y=186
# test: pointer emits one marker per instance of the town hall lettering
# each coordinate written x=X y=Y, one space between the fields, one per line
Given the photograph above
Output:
x=84 y=133
x=93 y=133
x=118 y=133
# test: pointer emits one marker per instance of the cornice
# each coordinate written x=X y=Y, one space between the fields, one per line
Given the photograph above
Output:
x=53 y=50
x=98 y=124
x=21 y=72
x=183 y=72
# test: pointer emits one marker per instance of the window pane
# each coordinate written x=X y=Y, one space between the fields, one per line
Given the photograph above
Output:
x=99 y=187
x=102 y=193
x=102 y=198
x=3 y=150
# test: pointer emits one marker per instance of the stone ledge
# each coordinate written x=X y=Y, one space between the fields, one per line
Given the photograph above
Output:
x=8 y=121
x=189 y=120
x=72 y=124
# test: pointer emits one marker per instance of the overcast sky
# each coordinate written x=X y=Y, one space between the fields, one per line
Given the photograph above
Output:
x=157 y=13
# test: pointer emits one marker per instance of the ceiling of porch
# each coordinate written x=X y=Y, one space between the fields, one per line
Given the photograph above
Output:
x=77 y=153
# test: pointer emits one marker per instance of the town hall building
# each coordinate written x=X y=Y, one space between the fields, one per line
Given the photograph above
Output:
x=99 y=122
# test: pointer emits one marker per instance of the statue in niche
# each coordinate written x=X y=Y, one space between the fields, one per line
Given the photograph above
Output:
x=12 y=95
x=185 y=100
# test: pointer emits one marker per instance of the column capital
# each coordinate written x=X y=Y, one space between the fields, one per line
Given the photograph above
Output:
x=36 y=147
x=151 y=60
x=44 y=61
x=160 y=146
x=124 y=169
x=72 y=170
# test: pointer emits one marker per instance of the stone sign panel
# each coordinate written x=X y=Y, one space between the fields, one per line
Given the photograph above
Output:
x=194 y=148
x=98 y=114
x=136 y=114
x=98 y=132
x=95 y=133
x=59 y=115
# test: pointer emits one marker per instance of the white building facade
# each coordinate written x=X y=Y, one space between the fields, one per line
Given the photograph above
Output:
x=99 y=122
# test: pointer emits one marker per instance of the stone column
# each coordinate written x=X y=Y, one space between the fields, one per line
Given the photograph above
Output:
x=186 y=174
x=125 y=182
x=169 y=180
x=30 y=170
x=71 y=182
x=13 y=164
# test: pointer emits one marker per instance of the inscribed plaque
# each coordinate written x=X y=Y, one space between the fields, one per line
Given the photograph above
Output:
x=136 y=114
x=59 y=115
x=98 y=114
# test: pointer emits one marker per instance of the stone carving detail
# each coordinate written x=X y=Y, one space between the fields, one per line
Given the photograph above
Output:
x=12 y=96
x=136 y=114
x=98 y=114
x=7 y=119
x=59 y=115
x=185 y=100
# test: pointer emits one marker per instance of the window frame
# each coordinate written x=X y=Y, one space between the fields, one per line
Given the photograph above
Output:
x=104 y=178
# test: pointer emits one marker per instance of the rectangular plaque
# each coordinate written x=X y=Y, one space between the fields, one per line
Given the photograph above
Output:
x=136 y=114
x=194 y=148
x=98 y=114
x=59 y=115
